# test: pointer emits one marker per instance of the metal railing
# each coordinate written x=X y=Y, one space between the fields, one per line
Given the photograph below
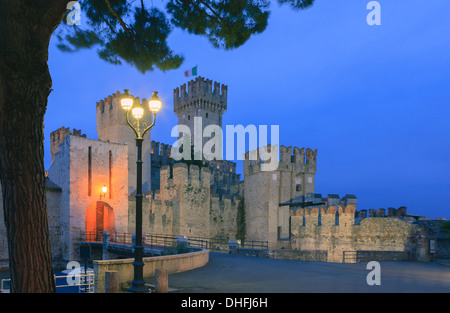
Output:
x=2 y=285
x=157 y=240
x=213 y=244
x=93 y=236
x=121 y=238
x=83 y=283
x=80 y=283
x=254 y=244
x=350 y=257
x=221 y=245
x=165 y=240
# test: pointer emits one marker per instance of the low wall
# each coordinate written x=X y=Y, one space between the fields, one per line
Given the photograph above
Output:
x=367 y=256
x=173 y=263
x=260 y=253
x=300 y=255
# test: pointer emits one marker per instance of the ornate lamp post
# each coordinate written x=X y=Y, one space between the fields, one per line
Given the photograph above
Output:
x=132 y=105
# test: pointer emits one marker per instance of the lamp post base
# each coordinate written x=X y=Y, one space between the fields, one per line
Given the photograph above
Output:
x=138 y=287
x=138 y=283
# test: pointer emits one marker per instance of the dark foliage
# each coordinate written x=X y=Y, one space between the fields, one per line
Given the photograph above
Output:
x=136 y=32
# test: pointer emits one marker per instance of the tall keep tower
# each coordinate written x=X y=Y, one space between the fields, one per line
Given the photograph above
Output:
x=112 y=126
x=265 y=191
x=200 y=101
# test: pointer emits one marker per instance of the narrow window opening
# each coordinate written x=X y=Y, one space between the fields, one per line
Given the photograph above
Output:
x=89 y=171
x=110 y=174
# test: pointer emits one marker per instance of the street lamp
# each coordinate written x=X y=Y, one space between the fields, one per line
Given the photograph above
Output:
x=129 y=104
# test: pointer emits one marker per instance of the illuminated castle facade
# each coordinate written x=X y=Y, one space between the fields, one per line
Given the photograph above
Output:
x=208 y=198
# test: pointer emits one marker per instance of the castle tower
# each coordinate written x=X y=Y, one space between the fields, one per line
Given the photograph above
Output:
x=57 y=137
x=112 y=126
x=264 y=190
x=200 y=103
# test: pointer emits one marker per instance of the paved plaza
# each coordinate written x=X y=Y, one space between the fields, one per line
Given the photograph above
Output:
x=239 y=274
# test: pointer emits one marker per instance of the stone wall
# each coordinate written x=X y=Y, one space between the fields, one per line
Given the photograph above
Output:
x=184 y=205
x=200 y=101
x=70 y=171
x=223 y=214
x=57 y=137
x=300 y=255
x=112 y=127
x=173 y=263
x=317 y=228
x=266 y=190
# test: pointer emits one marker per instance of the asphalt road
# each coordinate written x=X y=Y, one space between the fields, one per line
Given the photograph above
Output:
x=238 y=274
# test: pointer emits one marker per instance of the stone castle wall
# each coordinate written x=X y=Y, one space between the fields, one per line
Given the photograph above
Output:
x=266 y=190
x=200 y=101
x=112 y=127
x=185 y=205
x=81 y=190
x=334 y=229
x=223 y=173
x=57 y=137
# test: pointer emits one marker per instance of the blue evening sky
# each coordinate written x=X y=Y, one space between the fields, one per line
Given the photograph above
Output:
x=374 y=100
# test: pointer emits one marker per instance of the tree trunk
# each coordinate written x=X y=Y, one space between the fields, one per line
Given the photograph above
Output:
x=25 y=82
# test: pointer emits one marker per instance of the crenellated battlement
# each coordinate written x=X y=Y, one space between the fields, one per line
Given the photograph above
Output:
x=335 y=215
x=392 y=212
x=181 y=173
x=299 y=159
x=110 y=113
x=160 y=156
x=222 y=172
x=222 y=166
x=254 y=160
x=113 y=101
x=223 y=175
x=57 y=137
x=333 y=210
x=290 y=159
x=200 y=94
x=161 y=149
x=107 y=110
x=327 y=216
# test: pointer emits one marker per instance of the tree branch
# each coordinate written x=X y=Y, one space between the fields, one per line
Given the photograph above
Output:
x=122 y=23
x=104 y=19
x=126 y=28
x=211 y=9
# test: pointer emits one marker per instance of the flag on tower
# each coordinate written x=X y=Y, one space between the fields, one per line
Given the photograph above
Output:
x=191 y=72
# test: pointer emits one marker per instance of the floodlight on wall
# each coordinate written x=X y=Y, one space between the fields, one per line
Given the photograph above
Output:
x=104 y=191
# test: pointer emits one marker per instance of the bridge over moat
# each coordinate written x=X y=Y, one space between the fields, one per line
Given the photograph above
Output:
x=121 y=244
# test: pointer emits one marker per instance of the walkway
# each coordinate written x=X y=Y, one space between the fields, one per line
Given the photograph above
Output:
x=230 y=273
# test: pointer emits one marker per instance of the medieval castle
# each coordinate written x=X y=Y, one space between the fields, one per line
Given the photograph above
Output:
x=209 y=199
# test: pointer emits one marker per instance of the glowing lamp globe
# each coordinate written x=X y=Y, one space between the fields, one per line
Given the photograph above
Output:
x=154 y=103
x=104 y=189
x=126 y=101
x=137 y=110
